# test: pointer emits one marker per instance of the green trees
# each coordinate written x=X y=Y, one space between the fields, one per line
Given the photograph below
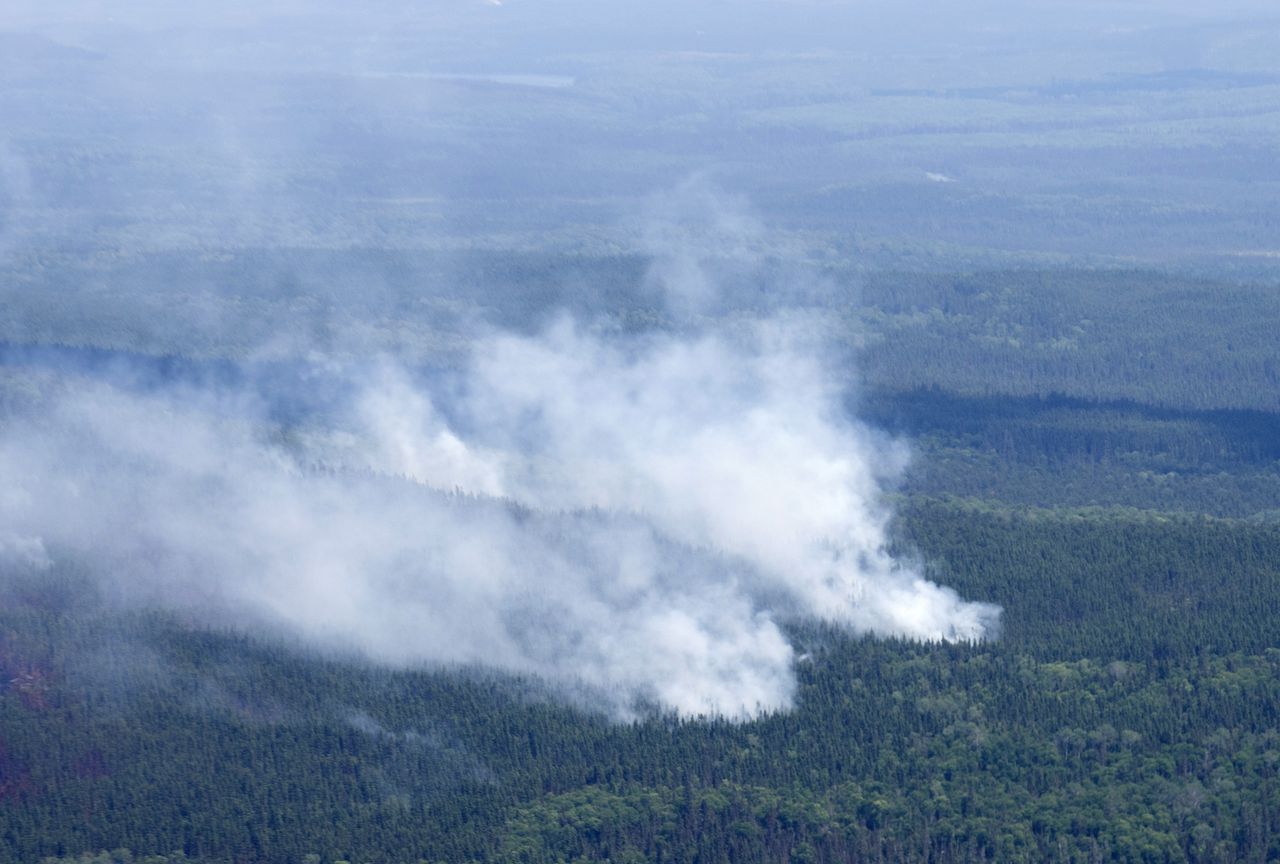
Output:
x=1128 y=713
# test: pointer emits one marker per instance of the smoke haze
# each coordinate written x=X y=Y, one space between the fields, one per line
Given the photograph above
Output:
x=632 y=517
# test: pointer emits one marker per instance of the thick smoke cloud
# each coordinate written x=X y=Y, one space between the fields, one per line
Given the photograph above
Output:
x=632 y=517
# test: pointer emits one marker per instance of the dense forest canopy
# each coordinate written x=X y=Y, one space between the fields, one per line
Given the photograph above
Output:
x=555 y=432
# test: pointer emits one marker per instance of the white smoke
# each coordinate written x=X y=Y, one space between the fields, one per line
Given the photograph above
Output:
x=632 y=517
x=26 y=553
x=176 y=505
x=734 y=443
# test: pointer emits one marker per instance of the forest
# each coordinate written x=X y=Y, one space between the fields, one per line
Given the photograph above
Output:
x=1127 y=710
x=563 y=432
x=1126 y=713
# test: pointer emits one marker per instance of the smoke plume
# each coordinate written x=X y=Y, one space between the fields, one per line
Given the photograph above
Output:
x=632 y=517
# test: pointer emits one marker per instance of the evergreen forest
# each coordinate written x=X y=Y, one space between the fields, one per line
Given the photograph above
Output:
x=1012 y=269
